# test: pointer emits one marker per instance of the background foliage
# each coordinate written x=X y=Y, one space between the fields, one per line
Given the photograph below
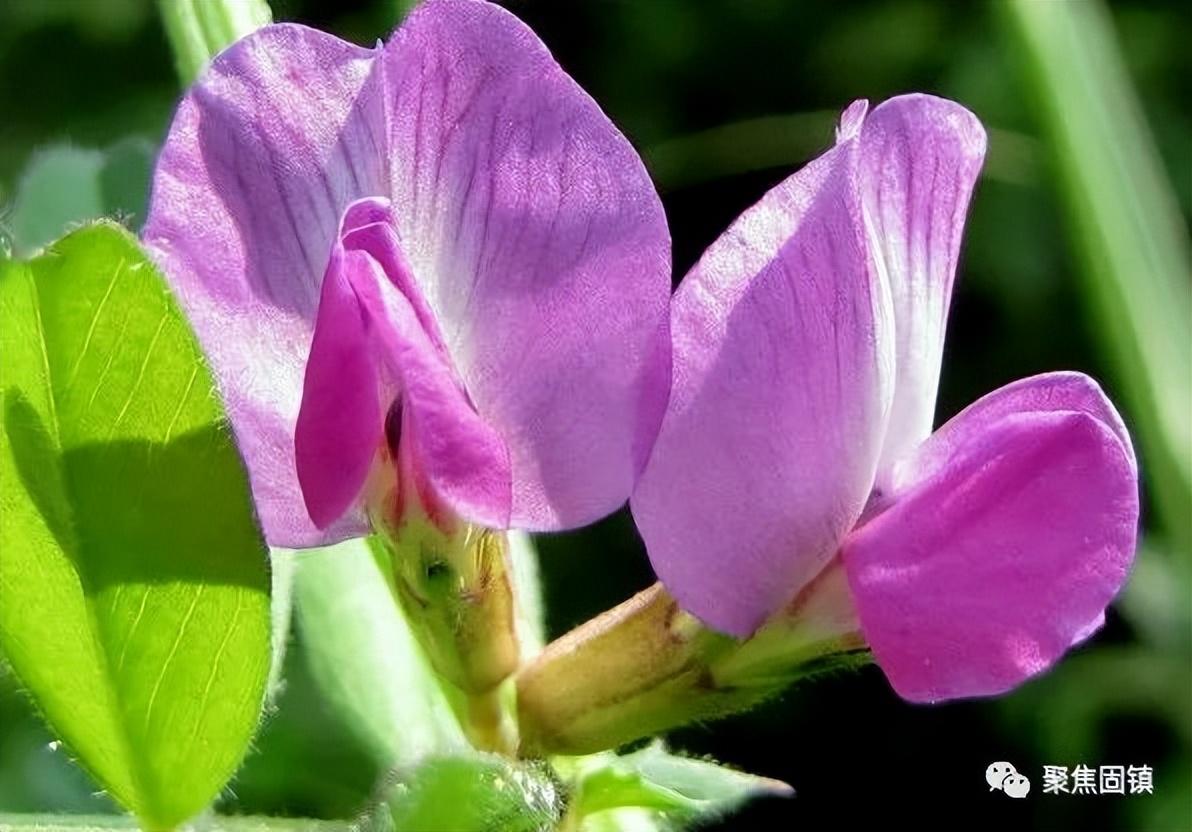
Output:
x=724 y=99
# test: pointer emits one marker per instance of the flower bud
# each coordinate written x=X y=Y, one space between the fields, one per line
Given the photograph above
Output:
x=454 y=580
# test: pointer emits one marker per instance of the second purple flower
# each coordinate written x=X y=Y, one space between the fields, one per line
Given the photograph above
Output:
x=807 y=350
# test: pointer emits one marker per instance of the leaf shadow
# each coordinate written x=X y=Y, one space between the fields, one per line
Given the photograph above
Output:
x=137 y=511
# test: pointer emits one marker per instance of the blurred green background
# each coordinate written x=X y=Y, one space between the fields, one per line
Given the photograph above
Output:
x=1076 y=258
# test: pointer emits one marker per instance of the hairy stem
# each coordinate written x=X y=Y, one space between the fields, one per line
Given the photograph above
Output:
x=646 y=666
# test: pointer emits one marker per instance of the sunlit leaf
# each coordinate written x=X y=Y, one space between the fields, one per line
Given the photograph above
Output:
x=133 y=577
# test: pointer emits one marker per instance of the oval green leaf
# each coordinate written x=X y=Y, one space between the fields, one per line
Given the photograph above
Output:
x=134 y=587
x=654 y=788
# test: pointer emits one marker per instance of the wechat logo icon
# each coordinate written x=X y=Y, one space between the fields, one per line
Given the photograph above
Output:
x=1005 y=778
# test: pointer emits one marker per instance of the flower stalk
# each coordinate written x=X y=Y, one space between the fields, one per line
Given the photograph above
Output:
x=646 y=666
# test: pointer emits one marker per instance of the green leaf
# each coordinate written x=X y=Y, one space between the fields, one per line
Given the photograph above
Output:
x=674 y=789
x=199 y=29
x=1126 y=227
x=63 y=185
x=479 y=793
x=364 y=659
x=134 y=578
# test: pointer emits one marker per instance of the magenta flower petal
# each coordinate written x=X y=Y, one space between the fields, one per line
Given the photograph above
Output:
x=920 y=157
x=264 y=153
x=462 y=458
x=1062 y=391
x=340 y=422
x=370 y=338
x=542 y=248
x=1006 y=549
x=781 y=365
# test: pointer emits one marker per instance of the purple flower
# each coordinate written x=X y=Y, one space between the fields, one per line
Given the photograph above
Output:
x=807 y=345
x=438 y=256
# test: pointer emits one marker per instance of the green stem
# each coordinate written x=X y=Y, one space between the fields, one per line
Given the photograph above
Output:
x=1126 y=227
x=489 y=723
x=199 y=29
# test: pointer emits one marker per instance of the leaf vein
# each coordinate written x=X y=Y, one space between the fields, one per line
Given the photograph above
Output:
x=132 y=630
x=45 y=359
x=214 y=669
x=74 y=371
x=181 y=404
x=103 y=374
x=136 y=385
x=173 y=651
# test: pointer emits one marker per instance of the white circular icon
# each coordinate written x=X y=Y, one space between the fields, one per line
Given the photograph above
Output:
x=1005 y=778
x=1016 y=785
